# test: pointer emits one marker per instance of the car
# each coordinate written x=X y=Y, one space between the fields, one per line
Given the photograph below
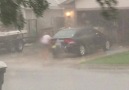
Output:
x=12 y=40
x=78 y=41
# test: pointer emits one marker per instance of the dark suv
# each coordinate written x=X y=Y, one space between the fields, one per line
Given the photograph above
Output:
x=79 y=41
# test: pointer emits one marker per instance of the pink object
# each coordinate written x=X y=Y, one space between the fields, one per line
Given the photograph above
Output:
x=45 y=39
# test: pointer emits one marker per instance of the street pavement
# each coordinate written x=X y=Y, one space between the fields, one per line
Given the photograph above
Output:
x=29 y=71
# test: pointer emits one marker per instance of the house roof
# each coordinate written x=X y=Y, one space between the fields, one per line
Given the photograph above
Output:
x=67 y=2
x=54 y=3
x=92 y=4
x=123 y=3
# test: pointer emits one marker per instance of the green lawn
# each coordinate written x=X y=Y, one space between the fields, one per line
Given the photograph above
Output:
x=121 y=58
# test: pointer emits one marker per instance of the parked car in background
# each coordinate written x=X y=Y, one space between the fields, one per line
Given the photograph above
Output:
x=12 y=40
x=79 y=41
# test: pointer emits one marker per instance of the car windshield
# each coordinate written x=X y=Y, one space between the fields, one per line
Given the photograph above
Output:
x=67 y=33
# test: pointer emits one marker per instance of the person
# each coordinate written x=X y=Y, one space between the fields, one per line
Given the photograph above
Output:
x=45 y=40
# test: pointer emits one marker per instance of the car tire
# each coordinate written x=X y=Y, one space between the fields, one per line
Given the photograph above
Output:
x=107 y=45
x=82 y=50
x=19 y=46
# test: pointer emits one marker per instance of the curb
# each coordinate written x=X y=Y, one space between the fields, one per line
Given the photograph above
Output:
x=108 y=67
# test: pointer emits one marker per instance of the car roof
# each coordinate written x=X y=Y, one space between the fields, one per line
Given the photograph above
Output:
x=69 y=29
x=77 y=28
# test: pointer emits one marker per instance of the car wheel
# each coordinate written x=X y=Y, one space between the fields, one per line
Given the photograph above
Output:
x=82 y=50
x=19 y=46
x=107 y=45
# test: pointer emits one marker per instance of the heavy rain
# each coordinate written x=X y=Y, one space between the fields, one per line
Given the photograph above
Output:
x=64 y=44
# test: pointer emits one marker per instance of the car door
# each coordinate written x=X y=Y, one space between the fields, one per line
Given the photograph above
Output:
x=89 y=38
x=78 y=36
x=97 y=38
x=84 y=37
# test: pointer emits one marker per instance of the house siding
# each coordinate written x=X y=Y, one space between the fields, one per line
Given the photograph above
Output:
x=117 y=30
x=51 y=21
x=88 y=13
x=92 y=4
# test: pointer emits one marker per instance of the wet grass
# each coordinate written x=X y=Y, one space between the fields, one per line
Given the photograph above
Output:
x=121 y=58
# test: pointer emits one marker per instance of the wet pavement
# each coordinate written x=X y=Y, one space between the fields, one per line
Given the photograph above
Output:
x=29 y=71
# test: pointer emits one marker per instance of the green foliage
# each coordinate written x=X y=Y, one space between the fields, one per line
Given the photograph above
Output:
x=108 y=8
x=10 y=10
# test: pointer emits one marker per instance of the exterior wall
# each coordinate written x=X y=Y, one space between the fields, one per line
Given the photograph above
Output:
x=70 y=21
x=92 y=4
x=51 y=21
x=86 y=4
x=28 y=13
x=6 y=28
x=123 y=25
x=30 y=23
x=87 y=13
x=117 y=30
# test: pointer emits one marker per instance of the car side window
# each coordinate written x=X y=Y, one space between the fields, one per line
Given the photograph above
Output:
x=83 y=33
x=80 y=33
x=96 y=33
x=90 y=32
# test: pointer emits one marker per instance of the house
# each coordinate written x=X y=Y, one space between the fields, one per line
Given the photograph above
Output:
x=52 y=19
x=88 y=13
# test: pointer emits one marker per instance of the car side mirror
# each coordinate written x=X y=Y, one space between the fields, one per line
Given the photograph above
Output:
x=97 y=34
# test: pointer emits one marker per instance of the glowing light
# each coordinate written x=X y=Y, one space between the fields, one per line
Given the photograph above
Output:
x=68 y=14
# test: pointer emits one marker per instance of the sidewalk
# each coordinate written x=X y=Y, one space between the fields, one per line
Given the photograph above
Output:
x=117 y=49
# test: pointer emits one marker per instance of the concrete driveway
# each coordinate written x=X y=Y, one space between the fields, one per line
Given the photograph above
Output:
x=28 y=71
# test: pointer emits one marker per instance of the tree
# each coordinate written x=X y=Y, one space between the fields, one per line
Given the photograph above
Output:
x=11 y=10
x=108 y=8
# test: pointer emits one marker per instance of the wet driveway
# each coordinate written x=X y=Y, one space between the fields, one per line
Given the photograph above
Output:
x=28 y=71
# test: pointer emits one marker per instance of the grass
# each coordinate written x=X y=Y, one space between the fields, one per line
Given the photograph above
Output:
x=121 y=58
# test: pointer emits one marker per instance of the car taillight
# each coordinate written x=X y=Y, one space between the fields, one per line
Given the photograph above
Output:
x=69 y=41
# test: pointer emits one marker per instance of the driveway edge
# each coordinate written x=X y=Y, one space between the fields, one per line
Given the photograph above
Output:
x=105 y=66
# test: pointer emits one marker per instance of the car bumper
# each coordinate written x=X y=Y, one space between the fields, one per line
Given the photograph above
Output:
x=72 y=48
